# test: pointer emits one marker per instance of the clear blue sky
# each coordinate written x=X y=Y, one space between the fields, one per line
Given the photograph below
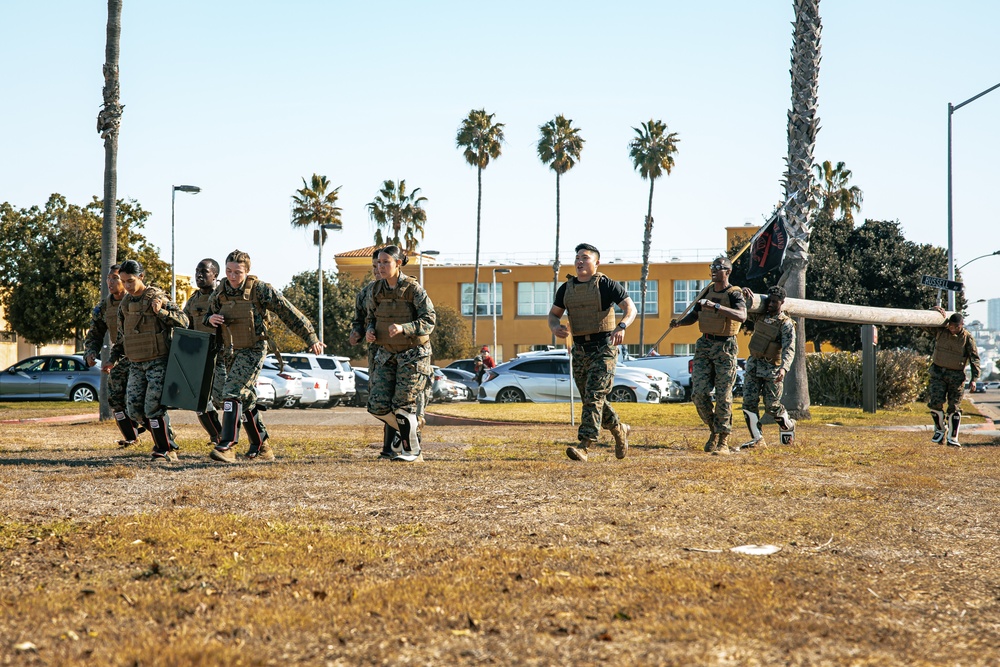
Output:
x=245 y=98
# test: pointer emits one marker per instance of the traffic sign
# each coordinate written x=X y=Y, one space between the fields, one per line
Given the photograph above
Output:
x=941 y=283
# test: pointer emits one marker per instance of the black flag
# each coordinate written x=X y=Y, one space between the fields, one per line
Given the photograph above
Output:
x=767 y=247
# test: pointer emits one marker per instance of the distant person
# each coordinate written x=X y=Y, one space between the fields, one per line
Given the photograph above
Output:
x=954 y=349
x=587 y=299
x=145 y=317
x=206 y=276
x=488 y=362
x=719 y=316
x=772 y=349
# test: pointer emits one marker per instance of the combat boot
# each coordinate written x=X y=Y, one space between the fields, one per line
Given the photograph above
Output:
x=579 y=453
x=257 y=435
x=127 y=426
x=390 y=437
x=722 y=446
x=162 y=451
x=620 y=433
x=229 y=437
x=710 y=443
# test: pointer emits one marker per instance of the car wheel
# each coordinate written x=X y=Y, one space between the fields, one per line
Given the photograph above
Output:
x=622 y=395
x=83 y=394
x=290 y=402
x=510 y=395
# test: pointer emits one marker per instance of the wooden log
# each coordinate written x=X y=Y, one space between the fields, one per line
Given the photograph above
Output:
x=851 y=314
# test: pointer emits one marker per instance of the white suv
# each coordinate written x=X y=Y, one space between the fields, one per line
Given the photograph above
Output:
x=336 y=371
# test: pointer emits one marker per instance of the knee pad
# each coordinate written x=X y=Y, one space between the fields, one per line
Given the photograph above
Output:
x=786 y=426
x=753 y=424
x=939 y=425
x=126 y=426
x=954 y=422
x=410 y=441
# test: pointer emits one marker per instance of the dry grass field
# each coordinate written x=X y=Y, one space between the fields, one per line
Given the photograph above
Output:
x=498 y=550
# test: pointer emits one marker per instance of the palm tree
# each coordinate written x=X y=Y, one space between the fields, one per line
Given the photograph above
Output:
x=313 y=205
x=399 y=213
x=480 y=138
x=559 y=147
x=108 y=123
x=803 y=124
x=652 y=152
x=832 y=192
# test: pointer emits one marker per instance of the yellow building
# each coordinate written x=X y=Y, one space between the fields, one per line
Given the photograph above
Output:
x=524 y=296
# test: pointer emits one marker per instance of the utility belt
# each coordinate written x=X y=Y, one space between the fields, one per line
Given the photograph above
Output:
x=715 y=337
x=593 y=340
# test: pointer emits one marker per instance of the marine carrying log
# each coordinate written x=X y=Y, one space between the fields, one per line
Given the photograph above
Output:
x=850 y=314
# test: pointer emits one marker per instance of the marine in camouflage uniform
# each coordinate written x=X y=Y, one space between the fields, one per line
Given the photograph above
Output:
x=240 y=307
x=587 y=299
x=145 y=317
x=196 y=308
x=104 y=320
x=772 y=349
x=399 y=320
x=719 y=315
x=954 y=349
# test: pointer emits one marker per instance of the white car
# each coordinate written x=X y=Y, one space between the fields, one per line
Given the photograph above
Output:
x=265 y=392
x=315 y=392
x=287 y=384
x=336 y=371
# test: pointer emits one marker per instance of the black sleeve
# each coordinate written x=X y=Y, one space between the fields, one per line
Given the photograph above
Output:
x=736 y=299
x=612 y=292
x=560 y=301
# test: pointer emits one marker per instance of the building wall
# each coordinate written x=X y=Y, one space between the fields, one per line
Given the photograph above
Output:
x=14 y=348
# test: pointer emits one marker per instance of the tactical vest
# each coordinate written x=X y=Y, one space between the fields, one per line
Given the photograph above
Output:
x=146 y=337
x=111 y=318
x=949 y=350
x=766 y=340
x=239 y=330
x=583 y=306
x=717 y=324
x=395 y=307
x=198 y=307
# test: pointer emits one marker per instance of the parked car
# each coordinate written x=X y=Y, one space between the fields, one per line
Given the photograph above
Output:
x=444 y=390
x=993 y=385
x=287 y=384
x=360 y=388
x=468 y=365
x=979 y=388
x=51 y=377
x=678 y=367
x=315 y=393
x=265 y=392
x=544 y=378
x=463 y=377
x=336 y=371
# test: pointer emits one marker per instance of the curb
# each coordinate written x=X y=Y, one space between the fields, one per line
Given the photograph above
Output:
x=54 y=420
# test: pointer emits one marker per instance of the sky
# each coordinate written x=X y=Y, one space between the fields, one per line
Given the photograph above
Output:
x=245 y=99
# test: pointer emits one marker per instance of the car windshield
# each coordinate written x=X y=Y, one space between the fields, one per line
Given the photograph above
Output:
x=30 y=365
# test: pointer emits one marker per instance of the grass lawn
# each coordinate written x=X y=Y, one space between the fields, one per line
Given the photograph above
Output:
x=38 y=409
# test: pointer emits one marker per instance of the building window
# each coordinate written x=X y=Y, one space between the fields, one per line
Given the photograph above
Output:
x=683 y=349
x=534 y=298
x=634 y=290
x=485 y=304
x=634 y=349
x=686 y=291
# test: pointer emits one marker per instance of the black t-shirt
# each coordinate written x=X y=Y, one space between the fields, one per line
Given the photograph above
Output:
x=612 y=293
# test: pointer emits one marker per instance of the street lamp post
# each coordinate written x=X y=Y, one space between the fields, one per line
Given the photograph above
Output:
x=429 y=253
x=320 y=233
x=193 y=189
x=495 y=272
x=951 y=251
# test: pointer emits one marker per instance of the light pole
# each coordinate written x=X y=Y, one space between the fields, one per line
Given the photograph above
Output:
x=193 y=189
x=495 y=272
x=975 y=258
x=320 y=237
x=429 y=253
x=951 y=251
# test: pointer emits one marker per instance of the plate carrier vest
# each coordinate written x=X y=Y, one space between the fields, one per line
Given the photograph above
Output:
x=949 y=351
x=766 y=340
x=717 y=324
x=239 y=330
x=395 y=307
x=583 y=306
x=198 y=305
x=111 y=318
x=146 y=337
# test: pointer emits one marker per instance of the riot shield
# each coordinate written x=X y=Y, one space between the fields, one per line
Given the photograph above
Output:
x=190 y=367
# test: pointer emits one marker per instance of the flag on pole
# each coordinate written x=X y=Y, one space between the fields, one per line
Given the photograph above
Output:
x=767 y=247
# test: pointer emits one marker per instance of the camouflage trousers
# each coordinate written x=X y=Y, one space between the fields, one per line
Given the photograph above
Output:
x=118 y=385
x=242 y=368
x=425 y=395
x=594 y=375
x=714 y=368
x=218 y=382
x=396 y=380
x=759 y=381
x=945 y=385
x=145 y=387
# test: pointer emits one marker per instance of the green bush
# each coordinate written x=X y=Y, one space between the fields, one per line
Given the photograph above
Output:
x=835 y=379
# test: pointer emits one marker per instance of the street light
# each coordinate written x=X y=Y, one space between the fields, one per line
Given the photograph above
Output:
x=951 y=254
x=193 y=189
x=975 y=258
x=495 y=272
x=429 y=253
x=319 y=238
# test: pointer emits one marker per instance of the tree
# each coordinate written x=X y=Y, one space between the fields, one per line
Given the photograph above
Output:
x=338 y=308
x=559 y=147
x=108 y=123
x=803 y=124
x=398 y=213
x=832 y=193
x=450 y=338
x=313 y=205
x=480 y=138
x=652 y=152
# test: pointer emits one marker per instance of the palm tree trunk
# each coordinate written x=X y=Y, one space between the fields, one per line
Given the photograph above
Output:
x=555 y=262
x=108 y=121
x=475 y=280
x=647 y=238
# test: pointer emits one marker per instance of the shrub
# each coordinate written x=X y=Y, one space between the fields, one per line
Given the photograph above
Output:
x=835 y=379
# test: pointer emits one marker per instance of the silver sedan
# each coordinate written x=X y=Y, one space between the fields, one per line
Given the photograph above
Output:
x=54 y=377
